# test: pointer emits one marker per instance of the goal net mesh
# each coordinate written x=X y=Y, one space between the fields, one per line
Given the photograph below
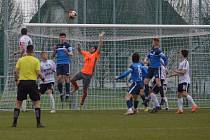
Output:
x=120 y=41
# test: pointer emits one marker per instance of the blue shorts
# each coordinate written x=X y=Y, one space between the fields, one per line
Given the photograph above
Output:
x=62 y=69
x=135 y=88
x=153 y=72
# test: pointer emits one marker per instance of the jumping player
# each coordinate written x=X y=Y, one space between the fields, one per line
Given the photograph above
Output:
x=87 y=71
x=63 y=51
x=154 y=58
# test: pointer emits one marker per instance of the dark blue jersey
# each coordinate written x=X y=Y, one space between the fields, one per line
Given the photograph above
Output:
x=61 y=56
x=155 y=56
x=136 y=70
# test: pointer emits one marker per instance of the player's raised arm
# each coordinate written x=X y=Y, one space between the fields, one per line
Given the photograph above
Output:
x=54 y=51
x=79 y=48
x=101 y=36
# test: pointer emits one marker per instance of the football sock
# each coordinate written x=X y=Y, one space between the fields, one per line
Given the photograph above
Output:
x=180 y=103
x=52 y=101
x=38 y=115
x=67 y=89
x=60 y=87
x=136 y=104
x=189 y=98
x=16 y=115
x=129 y=103
x=146 y=90
x=154 y=99
x=83 y=96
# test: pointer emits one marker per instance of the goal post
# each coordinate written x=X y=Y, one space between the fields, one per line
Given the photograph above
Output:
x=120 y=41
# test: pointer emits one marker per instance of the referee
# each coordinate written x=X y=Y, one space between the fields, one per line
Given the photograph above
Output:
x=26 y=73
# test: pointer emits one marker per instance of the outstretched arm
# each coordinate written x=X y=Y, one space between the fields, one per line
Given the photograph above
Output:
x=79 y=48
x=124 y=74
x=101 y=36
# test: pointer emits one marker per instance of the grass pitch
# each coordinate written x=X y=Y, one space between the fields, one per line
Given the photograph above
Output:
x=108 y=125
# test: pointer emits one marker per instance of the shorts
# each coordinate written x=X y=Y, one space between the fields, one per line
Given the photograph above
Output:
x=85 y=77
x=26 y=87
x=135 y=88
x=153 y=72
x=44 y=87
x=62 y=69
x=183 y=87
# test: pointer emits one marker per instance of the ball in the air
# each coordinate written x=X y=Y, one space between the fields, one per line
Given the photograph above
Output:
x=72 y=14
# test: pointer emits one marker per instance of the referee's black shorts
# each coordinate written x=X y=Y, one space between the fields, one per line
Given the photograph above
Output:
x=26 y=87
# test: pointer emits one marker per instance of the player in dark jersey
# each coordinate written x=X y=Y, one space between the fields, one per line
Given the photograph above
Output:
x=62 y=52
x=154 y=58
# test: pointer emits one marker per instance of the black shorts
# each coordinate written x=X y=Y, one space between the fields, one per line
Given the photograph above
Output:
x=62 y=69
x=85 y=77
x=153 y=72
x=26 y=87
x=183 y=87
x=44 y=87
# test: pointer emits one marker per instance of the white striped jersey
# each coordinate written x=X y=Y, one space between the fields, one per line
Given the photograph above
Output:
x=48 y=69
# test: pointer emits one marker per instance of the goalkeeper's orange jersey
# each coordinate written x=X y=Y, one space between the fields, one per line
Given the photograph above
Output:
x=90 y=61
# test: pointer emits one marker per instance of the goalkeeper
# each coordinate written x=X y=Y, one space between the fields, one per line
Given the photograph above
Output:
x=86 y=72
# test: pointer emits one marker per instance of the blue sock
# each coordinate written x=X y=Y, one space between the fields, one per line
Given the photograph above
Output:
x=129 y=104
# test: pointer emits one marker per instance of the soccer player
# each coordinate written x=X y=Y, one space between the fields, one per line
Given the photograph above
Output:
x=164 y=72
x=26 y=73
x=48 y=69
x=63 y=51
x=154 y=57
x=184 y=82
x=86 y=72
x=24 y=41
x=137 y=87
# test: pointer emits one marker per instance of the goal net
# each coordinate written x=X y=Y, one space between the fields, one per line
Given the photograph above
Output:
x=120 y=41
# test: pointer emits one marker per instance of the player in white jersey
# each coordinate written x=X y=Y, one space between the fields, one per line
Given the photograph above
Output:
x=24 y=41
x=184 y=82
x=48 y=69
x=163 y=78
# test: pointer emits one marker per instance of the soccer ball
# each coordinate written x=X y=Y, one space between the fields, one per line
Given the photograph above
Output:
x=72 y=14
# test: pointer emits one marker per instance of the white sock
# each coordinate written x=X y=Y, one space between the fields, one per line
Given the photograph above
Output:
x=189 y=98
x=52 y=101
x=166 y=101
x=180 y=103
x=154 y=99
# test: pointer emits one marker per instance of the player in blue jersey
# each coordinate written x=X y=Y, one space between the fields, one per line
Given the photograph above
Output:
x=136 y=70
x=154 y=59
x=62 y=52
